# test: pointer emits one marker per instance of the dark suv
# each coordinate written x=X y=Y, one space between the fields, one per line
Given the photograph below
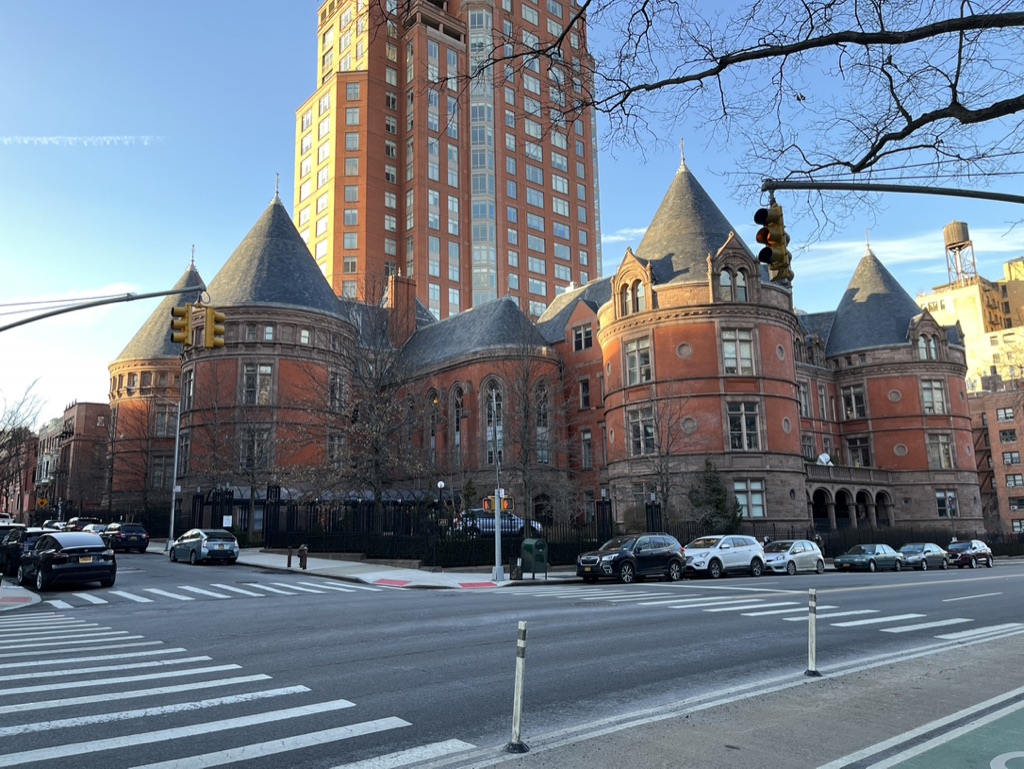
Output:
x=633 y=556
x=970 y=552
x=77 y=524
x=14 y=543
x=126 y=536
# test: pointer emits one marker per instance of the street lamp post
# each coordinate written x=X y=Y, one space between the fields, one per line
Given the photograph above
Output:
x=440 y=512
x=174 y=483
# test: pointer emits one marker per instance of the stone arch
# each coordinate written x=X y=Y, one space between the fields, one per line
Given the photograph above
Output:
x=823 y=514
x=846 y=510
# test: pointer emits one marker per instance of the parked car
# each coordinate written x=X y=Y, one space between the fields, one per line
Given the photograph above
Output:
x=720 y=554
x=924 y=556
x=970 y=552
x=53 y=523
x=197 y=545
x=793 y=555
x=67 y=556
x=126 y=536
x=480 y=523
x=15 y=542
x=869 y=558
x=10 y=526
x=95 y=528
x=79 y=523
x=634 y=556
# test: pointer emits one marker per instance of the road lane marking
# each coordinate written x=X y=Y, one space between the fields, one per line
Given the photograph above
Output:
x=90 y=598
x=159 y=710
x=752 y=606
x=155 y=691
x=782 y=611
x=122 y=679
x=131 y=596
x=253 y=752
x=92 y=638
x=834 y=614
x=876 y=620
x=163 y=735
x=201 y=591
x=237 y=590
x=269 y=589
x=58 y=604
x=167 y=594
x=970 y=597
x=76 y=671
x=35 y=653
x=979 y=631
x=925 y=625
x=42 y=630
x=328 y=587
x=411 y=756
x=132 y=655
x=718 y=602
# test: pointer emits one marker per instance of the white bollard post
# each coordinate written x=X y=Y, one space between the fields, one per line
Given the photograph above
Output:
x=517 y=745
x=812 y=633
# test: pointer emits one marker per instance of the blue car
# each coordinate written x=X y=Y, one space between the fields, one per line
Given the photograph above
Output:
x=480 y=523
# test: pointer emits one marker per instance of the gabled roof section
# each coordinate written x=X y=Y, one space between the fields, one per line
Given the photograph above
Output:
x=492 y=326
x=687 y=227
x=273 y=266
x=819 y=323
x=153 y=340
x=875 y=311
x=553 y=322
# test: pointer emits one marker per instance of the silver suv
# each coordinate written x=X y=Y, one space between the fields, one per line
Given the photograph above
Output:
x=720 y=554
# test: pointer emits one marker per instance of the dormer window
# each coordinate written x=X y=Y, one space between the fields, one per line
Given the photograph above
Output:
x=725 y=286
x=732 y=286
x=639 y=298
x=626 y=300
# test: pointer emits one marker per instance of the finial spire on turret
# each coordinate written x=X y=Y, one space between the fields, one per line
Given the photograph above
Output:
x=682 y=155
x=277 y=188
x=193 y=262
x=867 y=243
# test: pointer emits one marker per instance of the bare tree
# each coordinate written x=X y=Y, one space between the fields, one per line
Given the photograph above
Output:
x=16 y=439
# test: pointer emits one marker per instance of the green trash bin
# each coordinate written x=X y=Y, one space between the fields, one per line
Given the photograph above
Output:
x=534 y=555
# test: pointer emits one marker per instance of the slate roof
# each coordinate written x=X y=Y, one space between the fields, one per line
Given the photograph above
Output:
x=555 y=318
x=875 y=311
x=490 y=326
x=153 y=340
x=687 y=227
x=819 y=323
x=273 y=266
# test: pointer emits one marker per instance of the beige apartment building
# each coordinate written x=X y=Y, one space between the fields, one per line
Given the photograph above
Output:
x=475 y=188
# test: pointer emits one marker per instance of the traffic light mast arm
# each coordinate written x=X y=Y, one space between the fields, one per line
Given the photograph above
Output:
x=99 y=303
x=769 y=185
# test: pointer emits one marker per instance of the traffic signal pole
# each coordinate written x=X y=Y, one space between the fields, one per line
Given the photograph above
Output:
x=770 y=185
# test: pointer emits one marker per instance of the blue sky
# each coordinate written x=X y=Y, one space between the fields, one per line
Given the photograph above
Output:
x=132 y=131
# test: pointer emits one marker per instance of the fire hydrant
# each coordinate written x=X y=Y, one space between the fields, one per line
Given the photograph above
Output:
x=303 y=552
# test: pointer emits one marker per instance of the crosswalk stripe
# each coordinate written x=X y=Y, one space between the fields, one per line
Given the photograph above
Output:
x=876 y=620
x=834 y=614
x=369 y=588
x=122 y=679
x=162 y=735
x=75 y=670
x=758 y=605
x=702 y=603
x=154 y=692
x=329 y=587
x=411 y=756
x=239 y=590
x=201 y=591
x=252 y=752
x=48 y=662
x=56 y=603
x=159 y=710
x=27 y=633
x=92 y=637
x=269 y=589
x=120 y=645
x=131 y=596
x=980 y=631
x=90 y=598
x=300 y=589
x=165 y=593
x=677 y=599
x=924 y=625
x=781 y=611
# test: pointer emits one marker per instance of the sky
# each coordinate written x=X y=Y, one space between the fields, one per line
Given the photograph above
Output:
x=132 y=132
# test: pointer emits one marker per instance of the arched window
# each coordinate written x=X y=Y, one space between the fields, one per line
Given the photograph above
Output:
x=432 y=424
x=725 y=286
x=741 y=286
x=922 y=348
x=458 y=414
x=543 y=438
x=933 y=348
x=639 y=299
x=495 y=429
x=625 y=301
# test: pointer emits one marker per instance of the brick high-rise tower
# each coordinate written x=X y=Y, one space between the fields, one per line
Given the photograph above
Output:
x=474 y=188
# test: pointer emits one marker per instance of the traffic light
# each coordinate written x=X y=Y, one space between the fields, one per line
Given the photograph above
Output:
x=181 y=325
x=775 y=239
x=507 y=504
x=213 y=328
x=489 y=504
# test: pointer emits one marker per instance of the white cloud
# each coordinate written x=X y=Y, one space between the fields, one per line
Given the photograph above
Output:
x=625 y=235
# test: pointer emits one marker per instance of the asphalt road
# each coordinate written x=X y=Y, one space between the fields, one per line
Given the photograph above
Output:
x=337 y=673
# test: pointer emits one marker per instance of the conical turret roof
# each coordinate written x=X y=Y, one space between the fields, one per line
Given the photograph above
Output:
x=687 y=227
x=153 y=340
x=273 y=266
x=875 y=310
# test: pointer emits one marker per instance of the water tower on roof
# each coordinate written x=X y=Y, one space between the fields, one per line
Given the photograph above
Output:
x=959 y=254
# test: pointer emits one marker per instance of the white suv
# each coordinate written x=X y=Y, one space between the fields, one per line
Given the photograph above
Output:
x=722 y=553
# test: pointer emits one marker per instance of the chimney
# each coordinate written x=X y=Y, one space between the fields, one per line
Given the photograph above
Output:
x=401 y=304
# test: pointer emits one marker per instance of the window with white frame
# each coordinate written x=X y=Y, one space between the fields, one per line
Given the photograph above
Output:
x=933 y=396
x=749 y=494
x=256 y=385
x=940 y=451
x=640 y=426
x=854 y=402
x=638 y=361
x=744 y=433
x=738 y=351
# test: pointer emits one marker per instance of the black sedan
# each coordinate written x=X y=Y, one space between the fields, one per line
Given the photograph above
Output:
x=631 y=556
x=16 y=542
x=126 y=536
x=67 y=556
